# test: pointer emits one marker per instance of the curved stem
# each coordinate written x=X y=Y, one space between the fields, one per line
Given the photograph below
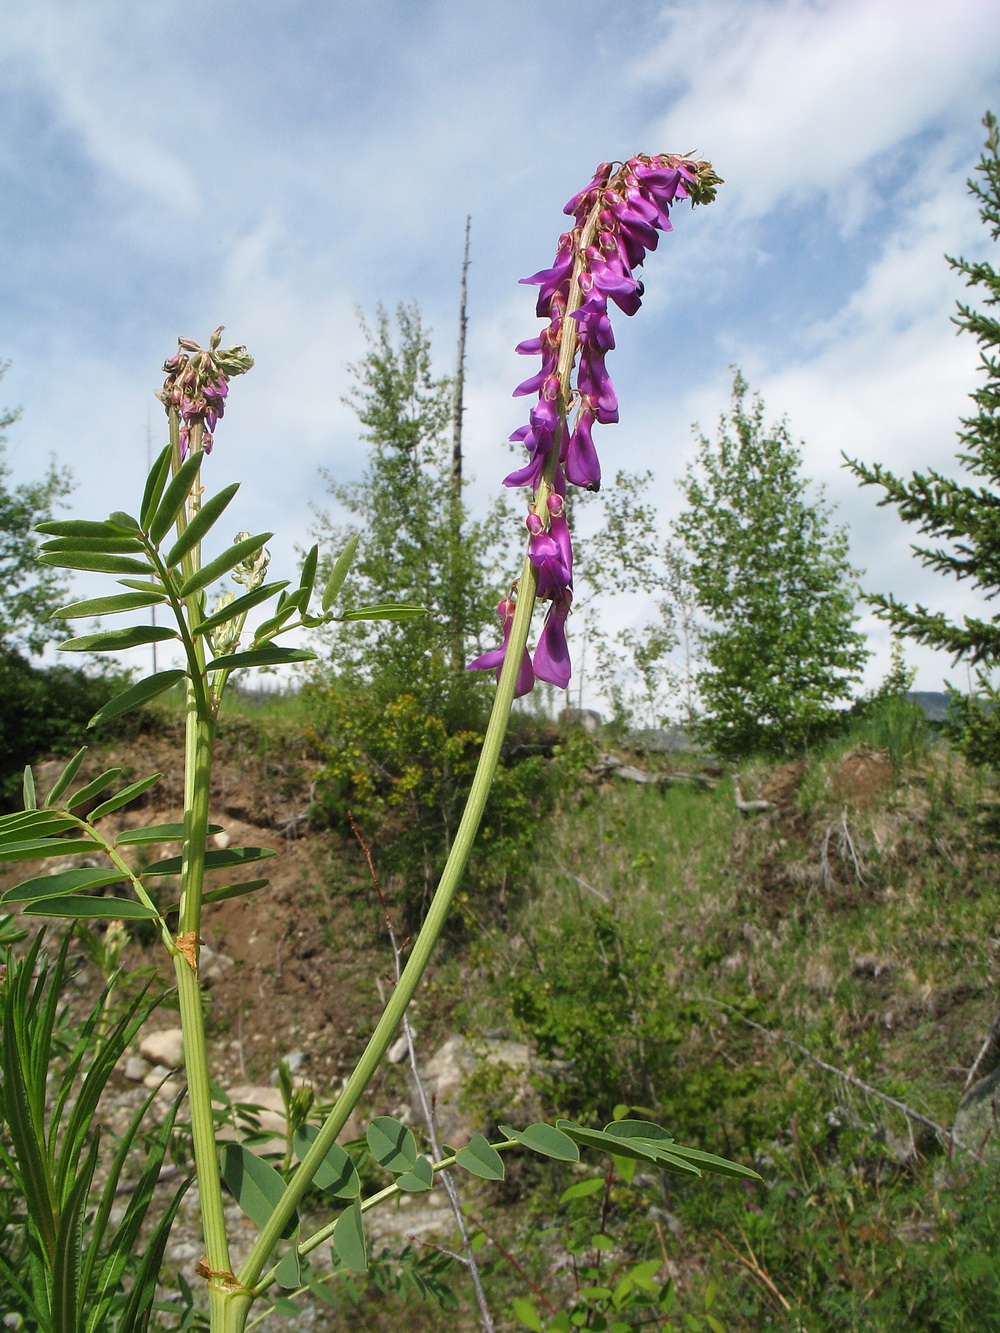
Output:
x=385 y=1030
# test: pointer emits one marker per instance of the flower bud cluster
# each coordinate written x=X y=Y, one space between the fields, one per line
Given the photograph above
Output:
x=197 y=384
x=252 y=571
x=617 y=218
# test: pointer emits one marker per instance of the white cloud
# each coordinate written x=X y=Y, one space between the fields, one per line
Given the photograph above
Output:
x=795 y=97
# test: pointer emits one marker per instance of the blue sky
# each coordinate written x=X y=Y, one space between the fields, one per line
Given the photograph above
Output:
x=273 y=166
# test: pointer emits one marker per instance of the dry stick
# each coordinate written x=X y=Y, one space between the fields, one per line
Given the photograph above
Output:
x=506 y=1254
x=944 y=1134
x=582 y=882
x=992 y=1038
x=485 y=1318
x=754 y=1267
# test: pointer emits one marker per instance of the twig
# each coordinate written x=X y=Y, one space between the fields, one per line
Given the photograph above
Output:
x=485 y=1318
x=846 y=838
x=945 y=1135
x=992 y=1038
x=506 y=1254
x=598 y=893
x=750 y=807
x=753 y=1264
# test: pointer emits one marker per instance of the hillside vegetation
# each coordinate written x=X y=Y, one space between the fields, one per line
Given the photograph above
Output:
x=805 y=987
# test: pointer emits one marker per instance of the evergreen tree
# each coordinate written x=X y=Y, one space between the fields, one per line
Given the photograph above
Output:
x=773 y=578
x=963 y=515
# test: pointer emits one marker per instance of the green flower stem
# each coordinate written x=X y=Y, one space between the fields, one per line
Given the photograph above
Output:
x=198 y=740
x=197 y=777
x=380 y=1040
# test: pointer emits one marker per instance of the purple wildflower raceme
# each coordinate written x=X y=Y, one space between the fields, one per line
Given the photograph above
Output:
x=196 y=386
x=617 y=219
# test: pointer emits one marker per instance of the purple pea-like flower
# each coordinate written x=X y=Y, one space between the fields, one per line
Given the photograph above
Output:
x=494 y=659
x=552 y=662
x=617 y=220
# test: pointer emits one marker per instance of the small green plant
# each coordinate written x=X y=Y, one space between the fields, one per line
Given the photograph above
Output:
x=63 y=1263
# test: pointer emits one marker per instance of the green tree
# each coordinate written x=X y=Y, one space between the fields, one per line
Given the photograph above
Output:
x=772 y=576
x=962 y=516
x=417 y=543
x=29 y=592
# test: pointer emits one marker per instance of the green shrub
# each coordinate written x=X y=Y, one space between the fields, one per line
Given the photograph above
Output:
x=46 y=709
x=404 y=776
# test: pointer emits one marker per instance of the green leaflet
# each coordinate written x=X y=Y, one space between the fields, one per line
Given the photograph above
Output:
x=80 y=880
x=349 y=1239
x=337 y=1174
x=288 y=1273
x=64 y=779
x=391 y=1143
x=256 y=1186
x=79 y=527
x=582 y=1189
x=261 y=657
x=481 y=1158
x=658 y=1140
x=241 y=605
x=35 y=824
x=123 y=797
x=33 y=848
x=228 y=891
x=307 y=578
x=201 y=524
x=385 y=611
x=155 y=482
x=117 y=545
x=173 y=497
x=340 y=571
x=80 y=907
x=94 y=560
x=233 y=891
x=115 y=640
x=214 y=860
x=109 y=606
x=92 y=788
x=544 y=1139
x=137 y=695
x=419 y=1177
x=157 y=833
x=223 y=563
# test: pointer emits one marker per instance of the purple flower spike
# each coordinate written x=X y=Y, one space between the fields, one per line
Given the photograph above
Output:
x=197 y=385
x=618 y=218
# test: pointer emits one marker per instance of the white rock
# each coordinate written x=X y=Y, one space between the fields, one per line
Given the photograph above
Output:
x=156 y=1076
x=398 y=1050
x=454 y=1065
x=135 y=1069
x=212 y=966
x=164 y=1048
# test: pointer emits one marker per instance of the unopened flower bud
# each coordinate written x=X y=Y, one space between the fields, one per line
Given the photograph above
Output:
x=251 y=571
x=534 y=524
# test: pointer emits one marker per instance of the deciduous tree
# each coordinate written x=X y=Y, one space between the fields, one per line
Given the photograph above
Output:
x=772 y=575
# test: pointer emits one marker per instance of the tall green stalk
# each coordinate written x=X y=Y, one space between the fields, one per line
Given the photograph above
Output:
x=238 y=1301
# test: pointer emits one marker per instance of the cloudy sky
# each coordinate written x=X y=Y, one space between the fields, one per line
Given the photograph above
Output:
x=272 y=165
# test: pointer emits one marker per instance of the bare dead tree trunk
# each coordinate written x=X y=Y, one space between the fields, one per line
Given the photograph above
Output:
x=458 y=412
